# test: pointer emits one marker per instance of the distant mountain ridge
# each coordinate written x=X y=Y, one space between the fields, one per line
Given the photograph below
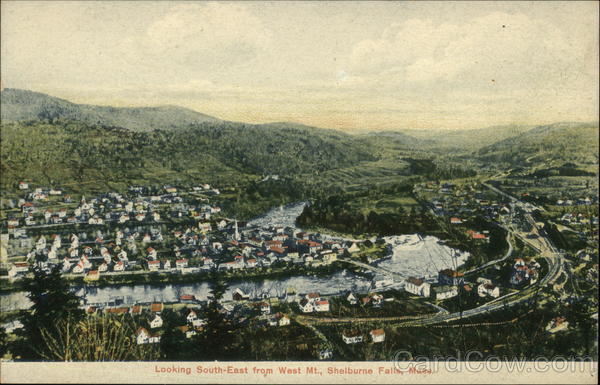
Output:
x=565 y=141
x=468 y=139
x=18 y=105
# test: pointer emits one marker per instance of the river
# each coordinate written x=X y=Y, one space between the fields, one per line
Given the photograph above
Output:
x=410 y=255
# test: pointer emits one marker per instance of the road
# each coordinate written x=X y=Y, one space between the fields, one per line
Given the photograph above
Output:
x=541 y=244
x=495 y=261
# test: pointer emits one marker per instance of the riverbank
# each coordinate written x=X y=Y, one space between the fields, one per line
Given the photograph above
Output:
x=158 y=278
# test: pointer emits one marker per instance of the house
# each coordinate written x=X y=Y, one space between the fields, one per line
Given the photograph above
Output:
x=376 y=299
x=119 y=266
x=351 y=298
x=52 y=253
x=450 y=277
x=252 y=262
x=191 y=316
x=487 y=289
x=157 y=307
x=444 y=292
x=265 y=308
x=153 y=265
x=181 y=263
x=353 y=248
x=302 y=235
x=92 y=275
x=352 y=336
x=417 y=286
x=557 y=324
x=455 y=221
x=377 y=335
x=239 y=295
x=136 y=310
x=187 y=298
x=78 y=269
x=151 y=253
x=313 y=296
x=271 y=321
x=189 y=333
x=66 y=265
x=283 y=320
x=325 y=354
x=18 y=268
x=155 y=322
x=322 y=305
x=476 y=235
x=142 y=336
x=306 y=306
x=23 y=185
x=122 y=256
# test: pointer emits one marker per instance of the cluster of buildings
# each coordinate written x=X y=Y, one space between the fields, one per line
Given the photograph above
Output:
x=354 y=336
x=448 y=285
x=135 y=238
x=523 y=273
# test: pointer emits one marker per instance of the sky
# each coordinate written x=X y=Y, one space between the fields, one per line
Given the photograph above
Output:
x=354 y=66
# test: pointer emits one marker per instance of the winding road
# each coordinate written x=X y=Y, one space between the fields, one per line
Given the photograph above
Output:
x=541 y=244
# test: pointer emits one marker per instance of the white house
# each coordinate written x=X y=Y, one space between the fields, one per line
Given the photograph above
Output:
x=306 y=306
x=78 y=269
x=352 y=336
x=18 y=268
x=322 y=305
x=143 y=337
x=417 y=286
x=351 y=298
x=377 y=335
x=156 y=322
x=103 y=267
x=486 y=289
x=192 y=316
x=151 y=253
x=284 y=320
x=153 y=265
x=119 y=266
x=445 y=292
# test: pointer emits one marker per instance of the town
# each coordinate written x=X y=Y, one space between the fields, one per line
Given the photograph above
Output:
x=177 y=235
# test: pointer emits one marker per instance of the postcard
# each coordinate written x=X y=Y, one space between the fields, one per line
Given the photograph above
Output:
x=299 y=192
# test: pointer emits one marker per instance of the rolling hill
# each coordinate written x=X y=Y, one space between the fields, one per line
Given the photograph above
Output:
x=18 y=105
x=465 y=139
x=549 y=144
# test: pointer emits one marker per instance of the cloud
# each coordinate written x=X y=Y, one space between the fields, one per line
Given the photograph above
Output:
x=210 y=36
x=513 y=48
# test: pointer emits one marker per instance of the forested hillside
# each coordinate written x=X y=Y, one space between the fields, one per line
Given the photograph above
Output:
x=67 y=152
x=20 y=105
x=560 y=142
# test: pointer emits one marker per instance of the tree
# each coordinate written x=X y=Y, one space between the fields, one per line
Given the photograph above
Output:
x=3 y=342
x=52 y=302
x=173 y=338
x=102 y=338
x=217 y=340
